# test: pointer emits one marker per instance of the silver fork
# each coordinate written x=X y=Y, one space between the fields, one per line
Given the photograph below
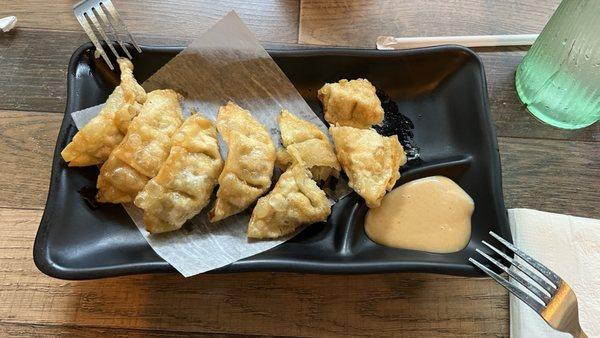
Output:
x=102 y=17
x=553 y=299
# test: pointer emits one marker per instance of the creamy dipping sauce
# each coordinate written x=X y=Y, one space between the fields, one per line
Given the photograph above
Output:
x=430 y=214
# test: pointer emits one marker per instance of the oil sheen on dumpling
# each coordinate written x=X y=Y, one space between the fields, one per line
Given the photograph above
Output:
x=186 y=180
x=351 y=103
x=143 y=150
x=308 y=142
x=249 y=165
x=371 y=161
x=97 y=139
x=296 y=200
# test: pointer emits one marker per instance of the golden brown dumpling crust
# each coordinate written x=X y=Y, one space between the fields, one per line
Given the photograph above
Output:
x=97 y=139
x=296 y=130
x=296 y=200
x=371 y=161
x=351 y=103
x=249 y=165
x=186 y=180
x=143 y=150
x=306 y=143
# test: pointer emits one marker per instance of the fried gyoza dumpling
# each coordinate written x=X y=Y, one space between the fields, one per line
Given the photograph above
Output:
x=249 y=165
x=308 y=142
x=296 y=200
x=351 y=103
x=97 y=139
x=186 y=180
x=143 y=150
x=371 y=161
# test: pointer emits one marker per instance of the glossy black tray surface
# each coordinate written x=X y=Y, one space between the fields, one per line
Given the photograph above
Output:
x=441 y=89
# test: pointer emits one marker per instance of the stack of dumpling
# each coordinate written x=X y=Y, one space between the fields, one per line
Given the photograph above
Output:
x=167 y=166
x=148 y=154
x=296 y=199
x=371 y=161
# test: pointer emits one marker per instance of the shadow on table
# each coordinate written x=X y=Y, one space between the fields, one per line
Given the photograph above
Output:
x=295 y=304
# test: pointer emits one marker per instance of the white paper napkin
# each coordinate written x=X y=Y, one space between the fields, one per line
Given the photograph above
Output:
x=568 y=245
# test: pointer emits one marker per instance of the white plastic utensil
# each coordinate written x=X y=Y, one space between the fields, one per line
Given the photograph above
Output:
x=390 y=42
x=8 y=23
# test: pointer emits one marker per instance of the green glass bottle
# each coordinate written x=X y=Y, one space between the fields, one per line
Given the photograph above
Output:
x=559 y=78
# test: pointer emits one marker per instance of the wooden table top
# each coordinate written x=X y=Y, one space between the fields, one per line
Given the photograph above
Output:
x=543 y=168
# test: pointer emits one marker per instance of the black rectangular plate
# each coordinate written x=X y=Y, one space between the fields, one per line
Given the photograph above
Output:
x=441 y=89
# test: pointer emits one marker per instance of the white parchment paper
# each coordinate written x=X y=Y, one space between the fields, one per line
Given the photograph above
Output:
x=225 y=63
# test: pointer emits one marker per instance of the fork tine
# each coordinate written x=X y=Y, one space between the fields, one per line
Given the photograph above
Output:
x=90 y=33
x=117 y=18
x=534 y=263
x=511 y=287
x=550 y=289
x=94 y=19
x=532 y=288
x=101 y=11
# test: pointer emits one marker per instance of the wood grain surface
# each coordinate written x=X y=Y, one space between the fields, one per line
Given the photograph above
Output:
x=62 y=330
x=359 y=22
x=543 y=168
x=271 y=20
x=27 y=142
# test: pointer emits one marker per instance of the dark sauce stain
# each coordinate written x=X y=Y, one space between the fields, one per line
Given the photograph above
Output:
x=331 y=183
x=88 y=194
x=188 y=227
x=396 y=123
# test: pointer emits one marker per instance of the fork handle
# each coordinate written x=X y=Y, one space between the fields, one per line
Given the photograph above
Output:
x=580 y=334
